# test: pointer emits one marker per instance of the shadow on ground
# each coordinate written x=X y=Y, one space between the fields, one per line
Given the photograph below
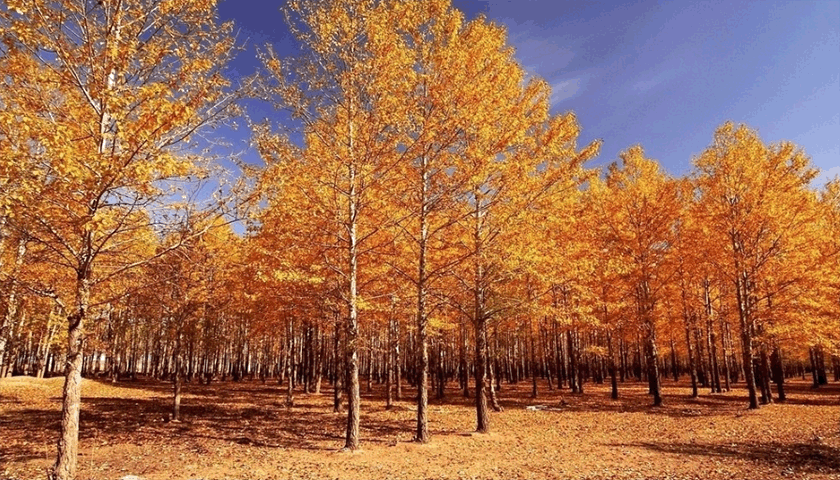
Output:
x=803 y=457
x=254 y=413
x=245 y=413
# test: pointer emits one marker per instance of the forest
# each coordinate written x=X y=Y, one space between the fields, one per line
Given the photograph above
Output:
x=420 y=226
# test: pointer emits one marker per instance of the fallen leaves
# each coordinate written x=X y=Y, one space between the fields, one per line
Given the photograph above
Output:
x=239 y=431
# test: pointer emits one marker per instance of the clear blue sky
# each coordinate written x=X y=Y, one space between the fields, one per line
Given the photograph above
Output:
x=660 y=74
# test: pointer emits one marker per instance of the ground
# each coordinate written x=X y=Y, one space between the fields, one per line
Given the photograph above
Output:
x=243 y=430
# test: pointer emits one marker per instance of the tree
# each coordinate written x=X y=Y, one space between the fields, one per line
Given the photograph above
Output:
x=640 y=210
x=114 y=88
x=342 y=91
x=753 y=199
x=530 y=172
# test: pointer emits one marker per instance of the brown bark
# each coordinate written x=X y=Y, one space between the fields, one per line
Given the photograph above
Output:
x=482 y=413
x=397 y=362
x=493 y=370
x=290 y=373
x=463 y=374
x=176 y=381
x=389 y=366
x=725 y=342
x=692 y=364
x=533 y=358
x=612 y=366
x=652 y=364
x=68 y=443
x=338 y=369
x=422 y=430
x=745 y=316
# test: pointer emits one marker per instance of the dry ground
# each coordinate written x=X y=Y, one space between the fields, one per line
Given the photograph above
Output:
x=243 y=431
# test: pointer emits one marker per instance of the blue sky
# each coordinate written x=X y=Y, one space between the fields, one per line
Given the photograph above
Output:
x=660 y=74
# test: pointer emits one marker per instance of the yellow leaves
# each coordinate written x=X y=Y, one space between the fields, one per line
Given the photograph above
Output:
x=288 y=275
x=18 y=6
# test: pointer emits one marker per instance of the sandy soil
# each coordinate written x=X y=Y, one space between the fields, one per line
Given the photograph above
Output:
x=244 y=431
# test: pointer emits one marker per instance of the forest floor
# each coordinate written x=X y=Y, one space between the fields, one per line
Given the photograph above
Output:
x=243 y=430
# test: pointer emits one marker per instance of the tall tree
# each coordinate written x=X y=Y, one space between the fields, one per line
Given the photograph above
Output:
x=342 y=92
x=640 y=209
x=116 y=87
x=754 y=199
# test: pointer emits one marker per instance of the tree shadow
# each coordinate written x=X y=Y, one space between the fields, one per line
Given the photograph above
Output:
x=26 y=433
x=253 y=413
x=804 y=457
x=249 y=415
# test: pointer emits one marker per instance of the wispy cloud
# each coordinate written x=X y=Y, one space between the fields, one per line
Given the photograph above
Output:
x=565 y=89
x=652 y=81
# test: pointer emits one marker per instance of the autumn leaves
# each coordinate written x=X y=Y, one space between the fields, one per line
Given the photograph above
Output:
x=98 y=100
x=417 y=126
x=425 y=179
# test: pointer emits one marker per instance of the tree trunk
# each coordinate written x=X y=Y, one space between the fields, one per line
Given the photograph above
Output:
x=573 y=363
x=422 y=431
x=389 y=366
x=764 y=376
x=463 y=374
x=813 y=357
x=397 y=362
x=176 y=381
x=290 y=371
x=338 y=368
x=68 y=443
x=613 y=376
x=493 y=370
x=727 y=374
x=745 y=316
x=533 y=358
x=674 y=367
x=819 y=355
x=692 y=364
x=482 y=414
x=652 y=364
x=12 y=303
x=318 y=361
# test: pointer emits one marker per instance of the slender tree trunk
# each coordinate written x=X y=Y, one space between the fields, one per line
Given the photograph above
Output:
x=533 y=358
x=482 y=414
x=441 y=370
x=290 y=372
x=397 y=362
x=389 y=366
x=813 y=357
x=652 y=364
x=176 y=380
x=819 y=356
x=692 y=364
x=727 y=374
x=777 y=368
x=711 y=337
x=612 y=367
x=68 y=443
x=12 y=301
x=547 y=355
x=675 y=370
x=422 y=431
x=352 y=326
x=573 y=363
x=463 y=374
x=494 y=370
x=646 y=309
x=320 y=358
x=745 y=316
x=338 y=368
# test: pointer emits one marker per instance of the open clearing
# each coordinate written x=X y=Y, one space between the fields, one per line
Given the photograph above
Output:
x=243 y=431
